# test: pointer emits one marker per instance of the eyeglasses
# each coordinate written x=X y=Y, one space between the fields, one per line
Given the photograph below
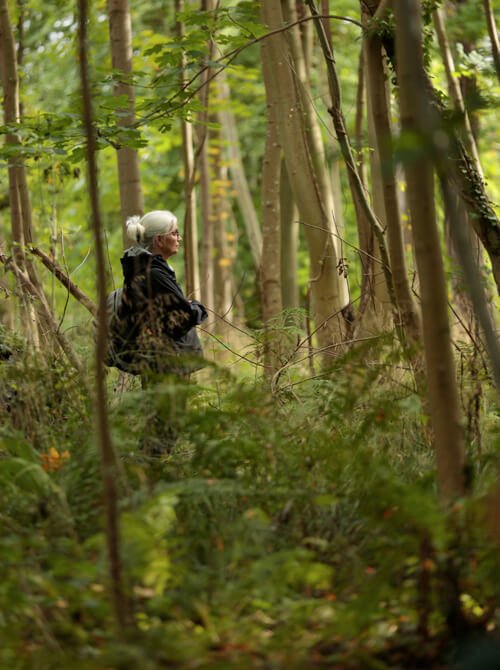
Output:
x=175 y=233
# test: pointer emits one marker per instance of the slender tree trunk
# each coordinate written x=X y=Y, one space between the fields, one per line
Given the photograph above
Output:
x=378 y=93
x=109 y=466
x=358 y=192
x=271 y=251
x=455 y=93
x=359 y=118
x=311 y=125
x=207 y=242
x=19 y=201
x=442 y=388
x=306 y=35
x=454 y=90
x=219 y=216
x=329 y=294
x=190 y=232
x=237 y=172
x=120 y=36
x=382 y=312
x=207 y=228
x=289 y=241
x=492 y=32
x=461 y=169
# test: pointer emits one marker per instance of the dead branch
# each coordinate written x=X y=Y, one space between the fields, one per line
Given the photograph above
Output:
x=59 y=273
x=25 y=282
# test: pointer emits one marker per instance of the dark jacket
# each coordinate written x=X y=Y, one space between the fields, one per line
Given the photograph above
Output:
x=162 y=320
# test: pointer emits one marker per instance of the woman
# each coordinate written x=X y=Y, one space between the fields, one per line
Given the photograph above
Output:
x=162 y=337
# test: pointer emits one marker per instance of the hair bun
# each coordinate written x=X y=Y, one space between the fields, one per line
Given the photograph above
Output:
x=135 y=229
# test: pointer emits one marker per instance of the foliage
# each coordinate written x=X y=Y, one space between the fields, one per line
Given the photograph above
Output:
x=292 y=525
x=292 y=530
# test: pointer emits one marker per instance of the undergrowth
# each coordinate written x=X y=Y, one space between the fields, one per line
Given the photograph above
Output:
x=287 y=530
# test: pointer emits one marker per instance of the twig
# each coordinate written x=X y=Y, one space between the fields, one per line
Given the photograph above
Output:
x=240 y=356
x=289 y=364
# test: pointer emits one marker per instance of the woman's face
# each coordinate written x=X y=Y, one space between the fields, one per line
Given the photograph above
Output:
x=168 y=244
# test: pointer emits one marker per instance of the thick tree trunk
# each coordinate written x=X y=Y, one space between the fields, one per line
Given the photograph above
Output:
x=442 y=388
x=329 y=291
x=120 y=37
x=109 y=466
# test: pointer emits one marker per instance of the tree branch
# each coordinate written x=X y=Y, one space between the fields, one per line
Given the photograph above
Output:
x=59 y=273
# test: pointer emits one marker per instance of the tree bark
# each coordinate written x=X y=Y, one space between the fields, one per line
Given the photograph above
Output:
x=120 y=37
x=207 y=227
x=358 y=192
x=461 y=168
x=289 y=241
x=442 y=388
x=108 y=459
x=378 y=94
x=238 y=176
x=219 y=215
x=35 y=315
x=272 y=306
x=328 y=291
x=190 y=231
x=492 y=32
x=454 y=90
x=380 y=308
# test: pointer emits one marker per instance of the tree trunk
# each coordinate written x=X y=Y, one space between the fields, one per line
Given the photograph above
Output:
x=120 y=37
x=219 y=215
x=109 y=466
x=380 y=108
x=381 y=311
x=190 y=232
x=442 y=389
x=289 y=241
x=272 y=306
x=329 y=292
x=454 y=90
x=492 y=32
x=461 y=170
x=462 y=301
x=34 y=314
x=207 y=227
x=311 y=125
x=237 y=172
x=358 y=192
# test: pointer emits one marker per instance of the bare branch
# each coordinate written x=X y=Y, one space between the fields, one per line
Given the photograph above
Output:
x=59 y=273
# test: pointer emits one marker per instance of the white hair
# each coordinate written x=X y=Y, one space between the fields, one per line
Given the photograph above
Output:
x=143 y=229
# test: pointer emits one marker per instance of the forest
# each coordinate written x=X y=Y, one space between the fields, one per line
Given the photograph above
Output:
x=331 y=499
